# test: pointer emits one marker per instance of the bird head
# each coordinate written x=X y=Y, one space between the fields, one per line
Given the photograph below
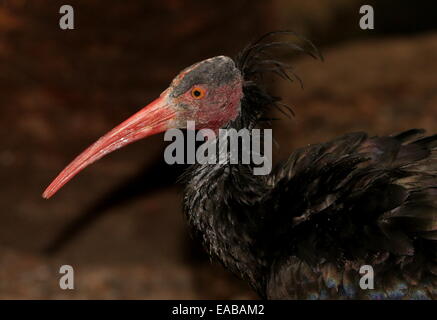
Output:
x=211 y=93
x=208 y=93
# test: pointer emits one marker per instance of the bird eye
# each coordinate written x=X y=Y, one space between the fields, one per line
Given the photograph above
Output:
x=197 y=93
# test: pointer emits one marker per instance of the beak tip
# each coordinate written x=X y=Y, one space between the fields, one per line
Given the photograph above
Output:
x=46 y=195
x=48 y=192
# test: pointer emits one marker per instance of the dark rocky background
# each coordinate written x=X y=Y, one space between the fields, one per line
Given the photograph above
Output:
x=120 y=224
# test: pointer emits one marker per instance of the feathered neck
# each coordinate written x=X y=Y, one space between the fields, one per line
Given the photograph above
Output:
x=221 y=200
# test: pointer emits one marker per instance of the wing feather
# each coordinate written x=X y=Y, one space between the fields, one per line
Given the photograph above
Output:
x=352 y=201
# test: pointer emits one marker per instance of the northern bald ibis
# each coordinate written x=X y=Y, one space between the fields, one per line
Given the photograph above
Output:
x=306 y=229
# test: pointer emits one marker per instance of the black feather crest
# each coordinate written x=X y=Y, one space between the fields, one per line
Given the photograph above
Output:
x=255 y=60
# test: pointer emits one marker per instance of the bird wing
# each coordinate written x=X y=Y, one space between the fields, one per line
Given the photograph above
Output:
x=355 y=201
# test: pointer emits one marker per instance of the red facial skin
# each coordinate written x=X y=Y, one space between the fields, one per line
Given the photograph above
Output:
x=218 y=106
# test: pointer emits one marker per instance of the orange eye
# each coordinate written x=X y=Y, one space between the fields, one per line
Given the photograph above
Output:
x=197 y=93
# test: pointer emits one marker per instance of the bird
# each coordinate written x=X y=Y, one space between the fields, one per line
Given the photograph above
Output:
x=305 y=230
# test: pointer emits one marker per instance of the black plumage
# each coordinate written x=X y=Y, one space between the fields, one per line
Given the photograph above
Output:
x=305 y=230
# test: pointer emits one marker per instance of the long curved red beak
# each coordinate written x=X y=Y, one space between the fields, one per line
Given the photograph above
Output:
x=154 y=118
